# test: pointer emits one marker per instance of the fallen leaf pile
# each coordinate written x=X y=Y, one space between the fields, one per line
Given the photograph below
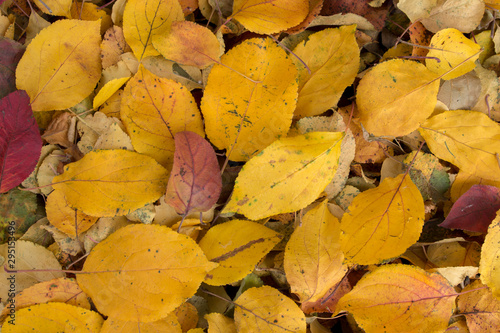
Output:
x=250 y=166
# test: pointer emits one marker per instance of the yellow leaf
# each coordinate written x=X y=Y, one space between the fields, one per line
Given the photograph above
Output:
x=54 y=317
x=480 y=308
x=454 y=51
x=265 y=17
x=168 y=324
x=396 y=96
x=464 y=181
x=65 y=218
x=286 y=176
x=90 y=12
x=237 y=246
x=313 y=259
x=218 y=323
x=265 y=309
x=111 y=182
x=332 y=55
x=55 y=7
x=142 y=20
x=468 y=139
x=189 y=44
x=143 y=272
x=153 y=110
x=400 y=298
x=489 y=266
x=382 y=222
x=108 y=90
x=61 y=65
x=244 y=116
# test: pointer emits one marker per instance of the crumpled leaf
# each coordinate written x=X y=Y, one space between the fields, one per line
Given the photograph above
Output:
x=20 y=141
x=489 y=98
x=143 y=272
x=195 y=182
x=454 y=51
x=127 y=181
x=61 y=65
x=333 y=69
x=189 y=43
x=392 y=102
x=254 y=315
x=153 y=110
x=242 y=116
x=266 y=17
x=474 y=210
x=286 y=176
x=112 y=46
x=11 y=53
x=54 y=317
x=237 y=246
x=468 y=139
x=382 y=222
x=362 y=9
x=313 y=259
x=58 y=129
x=142 y=20
x=400 y=298
x=489 y=266
x=480 y=308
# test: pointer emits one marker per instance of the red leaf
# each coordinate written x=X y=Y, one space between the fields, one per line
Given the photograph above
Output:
x=195 y=182
x=20 y=141
x=474 y=210
x=9 y=57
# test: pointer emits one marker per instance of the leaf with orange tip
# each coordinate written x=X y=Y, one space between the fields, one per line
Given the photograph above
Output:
x=480 y=308
x=382 y=222
x=195 y=182
x=187 y=315
x=265 y=17
x=253 y=312
x=400 y=298
x=189 y=44
x=489 y=266
x=143 y=272
x=313 y=259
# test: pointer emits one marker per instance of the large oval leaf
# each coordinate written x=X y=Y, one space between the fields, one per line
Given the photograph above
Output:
x=382 y=222
x=390 y=94
x=286 y=176
x=62 y=65
x=111 y=182
x=468 y=139
x=244 y=116
x=143 y=272
x=399 y=298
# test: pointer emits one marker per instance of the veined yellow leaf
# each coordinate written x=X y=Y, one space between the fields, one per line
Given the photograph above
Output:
x=111 y=182
x=286 y=176
x=332 y=55
x=453 y=50
x=144 y=19
x=153 y=110
x=313 y=258
x=61 y=65
x=489 y=266
x=468 y=139
x=244 y=116
x=237 y=246
x=400 y=298
x=382 y=222
x=396 y=96
x=143 y=272
x=254 y=313
x=265 y=17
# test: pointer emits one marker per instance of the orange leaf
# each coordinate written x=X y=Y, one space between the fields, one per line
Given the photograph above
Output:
x=480 y=308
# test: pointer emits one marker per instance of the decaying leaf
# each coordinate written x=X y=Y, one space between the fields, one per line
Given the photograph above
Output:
x=480 y=308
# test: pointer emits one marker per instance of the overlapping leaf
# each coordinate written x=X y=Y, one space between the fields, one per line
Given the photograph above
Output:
x=286 y=176
x=489 y=266
x=11 y=53
x=382 y=222
x=480 y=308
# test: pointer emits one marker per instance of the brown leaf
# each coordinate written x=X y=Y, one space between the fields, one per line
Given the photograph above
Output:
x=57 y=131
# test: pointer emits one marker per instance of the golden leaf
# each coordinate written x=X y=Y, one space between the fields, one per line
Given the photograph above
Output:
x=396 y=96
x=108 y=90
x=55 y=7
x=111 y=182
x=480 y=308
x=244 y=116
x=62 y=65
x=218 y=323
x=382 y=222
x=168 y=324
x=489 y=266
x=286 y=176
x=143 y=272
